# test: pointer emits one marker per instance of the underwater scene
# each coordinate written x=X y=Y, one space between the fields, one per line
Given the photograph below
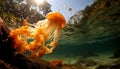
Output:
x=59 y=34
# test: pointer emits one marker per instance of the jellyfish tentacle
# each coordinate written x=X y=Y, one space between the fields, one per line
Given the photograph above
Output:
x=44 y=35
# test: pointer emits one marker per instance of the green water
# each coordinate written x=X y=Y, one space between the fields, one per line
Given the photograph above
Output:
x=71 y=53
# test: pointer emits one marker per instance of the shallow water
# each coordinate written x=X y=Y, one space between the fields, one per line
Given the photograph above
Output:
x=71 y=53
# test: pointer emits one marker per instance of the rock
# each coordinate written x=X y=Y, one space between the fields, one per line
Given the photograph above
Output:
x=6 y=49
x=102 y=67
x=4 y=30
x=91 y=63
x=86 y=62
x=116 y=66
x=4 y=65
x=116 y=54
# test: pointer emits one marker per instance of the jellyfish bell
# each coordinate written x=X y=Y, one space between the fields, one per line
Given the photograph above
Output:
x=44 y=35
x=56 y=17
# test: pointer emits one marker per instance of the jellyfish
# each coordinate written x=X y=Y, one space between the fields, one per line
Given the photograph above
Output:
x=40 y=38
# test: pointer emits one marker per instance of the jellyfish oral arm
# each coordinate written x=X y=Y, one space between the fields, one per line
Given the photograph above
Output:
x=44 y=35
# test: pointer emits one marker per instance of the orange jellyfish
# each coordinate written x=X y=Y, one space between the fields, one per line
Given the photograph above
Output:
x=44 y=35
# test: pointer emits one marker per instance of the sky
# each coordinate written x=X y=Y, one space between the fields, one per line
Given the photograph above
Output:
x=63 y=6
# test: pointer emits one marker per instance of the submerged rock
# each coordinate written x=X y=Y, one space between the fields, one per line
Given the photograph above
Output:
x=116 y=66
x=4 y=65
x=116 y=54
x=113 y=64
x=103 y=67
